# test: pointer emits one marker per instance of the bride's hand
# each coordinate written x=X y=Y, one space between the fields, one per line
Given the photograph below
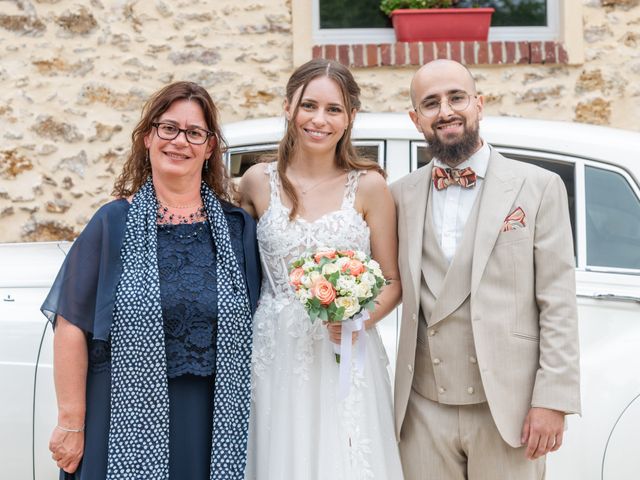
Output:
x=335 y=332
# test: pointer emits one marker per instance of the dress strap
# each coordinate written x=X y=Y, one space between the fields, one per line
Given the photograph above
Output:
x=351 y=187
x=274 y=180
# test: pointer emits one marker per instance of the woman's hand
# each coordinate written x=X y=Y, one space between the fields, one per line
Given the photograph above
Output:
x=335 y=332
x=66 y=449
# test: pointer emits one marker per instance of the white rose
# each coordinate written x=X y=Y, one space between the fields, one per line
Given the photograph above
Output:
x=308 y=266
x=350 y=304
x=306 y=281
x=360 y=255
x=368 y=279
x=330 y=268
x=373 y=265
x=362 y=290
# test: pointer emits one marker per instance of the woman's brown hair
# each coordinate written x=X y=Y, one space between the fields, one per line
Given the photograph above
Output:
x=137 y=168
x=346 y=157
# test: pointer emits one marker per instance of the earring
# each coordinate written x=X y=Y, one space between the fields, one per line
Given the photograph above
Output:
x=206 y=166
x=148 y=158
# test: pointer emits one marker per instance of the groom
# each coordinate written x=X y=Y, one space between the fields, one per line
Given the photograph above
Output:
x=487 y=364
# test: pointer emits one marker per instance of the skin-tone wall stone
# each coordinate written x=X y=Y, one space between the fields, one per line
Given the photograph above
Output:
x=74 y=76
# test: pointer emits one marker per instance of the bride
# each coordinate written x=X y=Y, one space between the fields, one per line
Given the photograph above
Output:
x=319 y=194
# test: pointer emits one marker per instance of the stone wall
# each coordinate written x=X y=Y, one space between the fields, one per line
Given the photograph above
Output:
x=74 y=76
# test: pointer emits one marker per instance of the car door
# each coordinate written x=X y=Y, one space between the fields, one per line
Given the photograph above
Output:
x=28 y=412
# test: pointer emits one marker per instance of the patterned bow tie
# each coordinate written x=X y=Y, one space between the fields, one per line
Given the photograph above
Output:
x=443 y=177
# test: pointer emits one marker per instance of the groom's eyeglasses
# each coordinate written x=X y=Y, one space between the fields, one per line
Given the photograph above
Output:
x=458 y=102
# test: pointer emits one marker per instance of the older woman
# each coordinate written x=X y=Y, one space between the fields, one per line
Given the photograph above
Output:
x=152 y=311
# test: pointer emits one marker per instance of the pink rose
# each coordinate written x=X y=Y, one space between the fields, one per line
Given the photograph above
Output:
x=323 y=290
x=295 y=276
x=326 y=253
x=355 y=267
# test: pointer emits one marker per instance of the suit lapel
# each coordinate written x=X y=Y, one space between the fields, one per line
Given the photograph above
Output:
x=415 y=194
x=500 y=188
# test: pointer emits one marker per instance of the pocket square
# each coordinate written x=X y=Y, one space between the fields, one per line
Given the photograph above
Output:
x=514 y=220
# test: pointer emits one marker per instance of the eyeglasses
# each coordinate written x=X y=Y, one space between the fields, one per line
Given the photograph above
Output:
x=458 y=101
x=168 y=131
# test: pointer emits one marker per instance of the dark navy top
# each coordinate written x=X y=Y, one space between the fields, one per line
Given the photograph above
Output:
x=189 y=297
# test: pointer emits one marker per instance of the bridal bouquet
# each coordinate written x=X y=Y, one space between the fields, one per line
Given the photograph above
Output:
x=338 y=286
x=335 y=285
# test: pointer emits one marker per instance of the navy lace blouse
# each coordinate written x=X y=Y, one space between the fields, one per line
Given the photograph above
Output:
x=188 y=291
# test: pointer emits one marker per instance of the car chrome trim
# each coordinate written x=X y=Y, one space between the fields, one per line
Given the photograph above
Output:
x=610 y=296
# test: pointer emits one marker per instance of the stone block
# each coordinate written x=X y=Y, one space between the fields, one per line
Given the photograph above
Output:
x=29 y=25
x=596 y=111
x=78 y=22
x=46 y=231
x=47 y=127
x=13 y=163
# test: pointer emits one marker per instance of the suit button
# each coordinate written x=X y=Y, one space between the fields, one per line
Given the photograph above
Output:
x=432 y=332
x=473 y=360
x=470 y=390
x=436 y=361
x=414 y=317
x=410 y=368
x=441 y=390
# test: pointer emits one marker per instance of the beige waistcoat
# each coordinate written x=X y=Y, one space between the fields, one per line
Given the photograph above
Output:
x=446 y=368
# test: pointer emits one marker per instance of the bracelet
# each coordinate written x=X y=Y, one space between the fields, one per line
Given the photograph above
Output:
x=71 y=430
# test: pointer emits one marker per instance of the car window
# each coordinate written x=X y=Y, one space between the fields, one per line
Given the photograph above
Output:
x=612 y=220
x=241 y=158
x=566 y=171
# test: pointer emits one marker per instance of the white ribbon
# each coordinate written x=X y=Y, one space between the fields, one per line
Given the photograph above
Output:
x=355 y=324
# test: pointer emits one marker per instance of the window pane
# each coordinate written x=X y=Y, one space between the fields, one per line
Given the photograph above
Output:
x=612 y=220
x=352 y=14
x=367 y=14
x=513 y=13
x=242 y=160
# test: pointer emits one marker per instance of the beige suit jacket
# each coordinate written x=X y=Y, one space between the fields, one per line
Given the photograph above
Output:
x=523 y=304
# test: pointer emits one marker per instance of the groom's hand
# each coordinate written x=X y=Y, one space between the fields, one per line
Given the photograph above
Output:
x=542 y=432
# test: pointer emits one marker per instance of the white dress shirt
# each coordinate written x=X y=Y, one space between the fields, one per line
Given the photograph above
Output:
x=451 y=206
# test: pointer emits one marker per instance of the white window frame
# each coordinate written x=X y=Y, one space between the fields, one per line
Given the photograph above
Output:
x=386 y=35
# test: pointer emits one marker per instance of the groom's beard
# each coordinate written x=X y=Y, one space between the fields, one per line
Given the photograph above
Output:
x=456 y=151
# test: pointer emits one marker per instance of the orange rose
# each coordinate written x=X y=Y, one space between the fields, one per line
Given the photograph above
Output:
x=354 y=266
x=347 y=253
x=295 y=276
x=323 y=290
x=325 y=253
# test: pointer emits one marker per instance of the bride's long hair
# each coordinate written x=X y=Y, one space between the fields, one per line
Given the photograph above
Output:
x=346 y=157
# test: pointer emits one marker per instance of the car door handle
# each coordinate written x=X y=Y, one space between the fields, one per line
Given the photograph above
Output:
x=612 y=296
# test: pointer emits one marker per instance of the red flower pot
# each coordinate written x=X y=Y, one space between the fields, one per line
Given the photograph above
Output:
x=441 y=24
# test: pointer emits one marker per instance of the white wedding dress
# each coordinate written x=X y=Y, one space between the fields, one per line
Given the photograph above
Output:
x=299 y=429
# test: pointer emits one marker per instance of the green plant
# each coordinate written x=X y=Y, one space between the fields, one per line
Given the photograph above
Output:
x=388 y=6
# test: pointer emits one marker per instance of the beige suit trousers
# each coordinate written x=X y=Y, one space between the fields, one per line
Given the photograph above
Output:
x=459 y=442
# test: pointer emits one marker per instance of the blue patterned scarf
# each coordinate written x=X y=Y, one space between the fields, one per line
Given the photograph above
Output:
x=139 y=424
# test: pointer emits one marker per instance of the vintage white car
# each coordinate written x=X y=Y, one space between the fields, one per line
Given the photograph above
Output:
x=601 y=170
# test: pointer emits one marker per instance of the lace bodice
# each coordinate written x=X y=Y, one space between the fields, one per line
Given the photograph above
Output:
x=282 y=241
